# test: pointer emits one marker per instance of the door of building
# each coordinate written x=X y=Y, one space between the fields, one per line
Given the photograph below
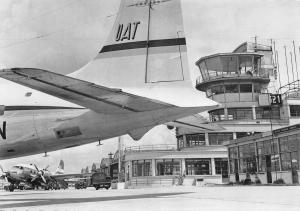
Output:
x=294 y=165
x=268 y=168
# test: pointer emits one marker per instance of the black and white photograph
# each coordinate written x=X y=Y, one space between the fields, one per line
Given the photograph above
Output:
x=152 y=105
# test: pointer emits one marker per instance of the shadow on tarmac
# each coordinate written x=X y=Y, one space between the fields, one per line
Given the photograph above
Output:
x=44 y=202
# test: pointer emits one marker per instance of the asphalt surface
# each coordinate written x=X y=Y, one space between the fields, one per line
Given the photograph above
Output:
x=270 y=198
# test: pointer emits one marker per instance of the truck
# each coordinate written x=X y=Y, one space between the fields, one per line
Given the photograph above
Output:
x=100 y=180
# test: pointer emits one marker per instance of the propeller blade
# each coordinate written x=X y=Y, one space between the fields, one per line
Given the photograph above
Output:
x=2 y=169
x=43 y=178
x=36 y=167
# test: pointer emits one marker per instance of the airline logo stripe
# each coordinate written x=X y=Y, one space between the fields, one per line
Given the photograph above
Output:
x=144 y=44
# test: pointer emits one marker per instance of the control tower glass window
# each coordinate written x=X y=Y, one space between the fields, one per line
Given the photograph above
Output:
x=264 y=112
x=239 y=113
x=246 y=65
x=233 y=88
x=246 y=88
x=217 y=115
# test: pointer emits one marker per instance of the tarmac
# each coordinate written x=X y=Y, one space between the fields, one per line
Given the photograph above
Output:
x=254 y=198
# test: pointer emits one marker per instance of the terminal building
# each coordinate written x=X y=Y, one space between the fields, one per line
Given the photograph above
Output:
x=241 y=82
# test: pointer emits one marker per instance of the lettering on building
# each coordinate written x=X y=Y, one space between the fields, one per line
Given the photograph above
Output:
x=127 y=32
x=3 y=130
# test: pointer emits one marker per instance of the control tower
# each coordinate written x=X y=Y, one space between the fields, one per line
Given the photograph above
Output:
x=241 y=82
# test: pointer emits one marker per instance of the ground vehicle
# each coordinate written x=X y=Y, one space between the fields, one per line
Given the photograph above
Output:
x=81 y=184
x=100 y=180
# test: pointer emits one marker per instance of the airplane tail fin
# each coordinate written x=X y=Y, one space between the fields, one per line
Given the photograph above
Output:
x=146 y=46
x=60 y=168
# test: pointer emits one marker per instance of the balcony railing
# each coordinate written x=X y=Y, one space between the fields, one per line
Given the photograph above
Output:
x=161 y=147
x=211 y=76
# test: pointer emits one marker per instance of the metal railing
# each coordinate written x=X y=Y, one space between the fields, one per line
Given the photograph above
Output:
x=162 y=147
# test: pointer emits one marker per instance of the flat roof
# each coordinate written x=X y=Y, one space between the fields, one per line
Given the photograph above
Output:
x=263 y=135
x=229 y=54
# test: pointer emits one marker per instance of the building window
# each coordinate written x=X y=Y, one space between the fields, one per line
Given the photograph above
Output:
x=247 y=158
x=233 y=88
x=194 y=140
x=141 y=168
x=198 y=167
x=168 y=167
x=217 y=115
x=219 y=138
x=221 y=165
x=295 y=110
x=217 y=90
x=285 y=161
x=264 y=112
x=180 y=142
x=257 y=88
x=233 y=152
x=246 y=88
x=239 y=113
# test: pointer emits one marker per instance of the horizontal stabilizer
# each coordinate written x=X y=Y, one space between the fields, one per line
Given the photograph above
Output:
x=139 y=133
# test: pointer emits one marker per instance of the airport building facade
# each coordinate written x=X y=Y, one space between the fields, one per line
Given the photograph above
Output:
x=242 y=82
x=267 y=156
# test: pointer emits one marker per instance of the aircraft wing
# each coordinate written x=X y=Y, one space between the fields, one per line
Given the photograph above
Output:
x=97 y=98
x=66 y=176
x=195 y=122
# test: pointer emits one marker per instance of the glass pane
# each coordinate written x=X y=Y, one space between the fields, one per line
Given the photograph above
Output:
x=231 y=88
x=246 y=88
x=198 y=166
x=295 y=110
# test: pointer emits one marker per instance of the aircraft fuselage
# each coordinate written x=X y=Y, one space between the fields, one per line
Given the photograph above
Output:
x=33 y=131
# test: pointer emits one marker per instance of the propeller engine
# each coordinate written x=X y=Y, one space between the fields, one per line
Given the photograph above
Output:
x=40 y=173
x=4 y=174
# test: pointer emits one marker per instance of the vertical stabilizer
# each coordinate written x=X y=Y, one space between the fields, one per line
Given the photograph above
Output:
x=60 y=168
x=146 y=46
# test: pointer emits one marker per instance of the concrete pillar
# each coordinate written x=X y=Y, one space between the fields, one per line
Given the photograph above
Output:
x=206 y=139
x=278 y=150
x=182 y=166
x=253 y=112
x=234 y=135
x=256 y=157
x=226 y=113
x=184 y=141
x=153 y=168
x=213 y=166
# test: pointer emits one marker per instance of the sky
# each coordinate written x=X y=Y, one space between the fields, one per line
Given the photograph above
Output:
x=66 y=34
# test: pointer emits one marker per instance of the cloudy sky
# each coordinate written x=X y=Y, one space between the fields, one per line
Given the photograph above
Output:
x=65 y=34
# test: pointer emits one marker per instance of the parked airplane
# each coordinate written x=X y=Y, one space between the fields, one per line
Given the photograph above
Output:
x=139 y=79
x=31 y=175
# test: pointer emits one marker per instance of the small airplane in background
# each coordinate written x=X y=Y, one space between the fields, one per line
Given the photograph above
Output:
x=32 y=176
x=138 y=80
